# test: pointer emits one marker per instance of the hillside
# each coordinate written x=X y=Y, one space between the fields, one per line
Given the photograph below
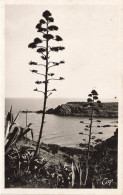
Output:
x=102 y=171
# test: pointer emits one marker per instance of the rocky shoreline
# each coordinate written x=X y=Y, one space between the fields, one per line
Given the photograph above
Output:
x=107 y=110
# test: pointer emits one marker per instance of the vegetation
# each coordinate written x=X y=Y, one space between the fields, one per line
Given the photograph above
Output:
x=66 y=174
x=19 y=160
x=45 y=28
x=13 y=132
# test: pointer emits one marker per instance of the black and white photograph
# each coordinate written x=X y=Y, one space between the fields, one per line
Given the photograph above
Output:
x=62 y=78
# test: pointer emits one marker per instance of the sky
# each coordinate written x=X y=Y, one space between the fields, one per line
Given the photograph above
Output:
x=90 y=37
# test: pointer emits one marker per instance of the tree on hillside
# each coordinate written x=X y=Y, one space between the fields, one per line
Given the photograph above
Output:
x=44 y=47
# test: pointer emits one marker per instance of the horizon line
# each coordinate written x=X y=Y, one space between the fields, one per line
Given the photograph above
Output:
x=58 y=98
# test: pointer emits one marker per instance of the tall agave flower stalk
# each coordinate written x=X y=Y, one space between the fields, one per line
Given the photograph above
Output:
x=44 y=48
x=92 y=103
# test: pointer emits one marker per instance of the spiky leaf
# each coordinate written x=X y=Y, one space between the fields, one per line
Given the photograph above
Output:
x=25 y=131
x=12 y=139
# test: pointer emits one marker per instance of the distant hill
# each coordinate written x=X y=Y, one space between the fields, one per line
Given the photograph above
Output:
x=107 y=110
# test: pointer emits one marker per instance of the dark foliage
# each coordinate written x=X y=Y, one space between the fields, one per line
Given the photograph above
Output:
x=56 y=49
x=32 y=63
x=89 y=100
x=38 y=82
x=94 y=92
x=44 y=57
x=58 y=38
x=53 y=27
x=37 y=40
x=46 y=14
x=40 y=50
x=51 y=19
x=32 y=45
x=34 y=71
x=42 y=21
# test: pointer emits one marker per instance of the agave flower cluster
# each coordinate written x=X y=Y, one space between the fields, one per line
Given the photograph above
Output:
x=92 y=103
x=45 y=27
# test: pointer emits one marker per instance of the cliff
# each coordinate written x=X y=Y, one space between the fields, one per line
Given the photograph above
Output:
x=107 y=110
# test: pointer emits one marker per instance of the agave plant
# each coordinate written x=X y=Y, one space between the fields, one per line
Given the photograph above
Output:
x=19 y=159
x=13 y=132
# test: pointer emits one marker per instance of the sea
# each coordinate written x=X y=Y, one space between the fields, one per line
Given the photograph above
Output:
x=61 y=130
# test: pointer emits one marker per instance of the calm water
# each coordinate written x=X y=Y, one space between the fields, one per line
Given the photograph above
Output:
x=59 y=130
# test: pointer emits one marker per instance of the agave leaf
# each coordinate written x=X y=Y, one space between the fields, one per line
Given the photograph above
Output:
x=32 y=134
x=7 y=127
x=9 y=122
x=65 y=177
x=29 y=125
x=16 y=116
x=11 y=109
x=23 y=133
x=12 y=140
x=41 y=165
x=76 y=174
